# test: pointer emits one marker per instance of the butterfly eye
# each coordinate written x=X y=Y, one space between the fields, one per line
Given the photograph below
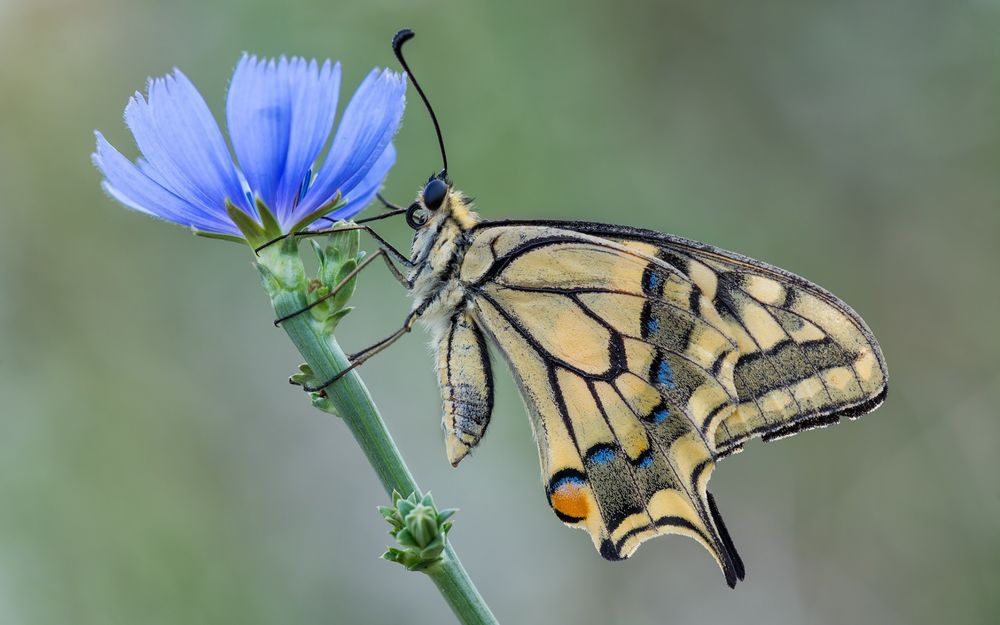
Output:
x=434 y=193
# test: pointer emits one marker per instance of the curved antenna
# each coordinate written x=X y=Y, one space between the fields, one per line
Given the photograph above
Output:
x=412 y=219
x=398 y=40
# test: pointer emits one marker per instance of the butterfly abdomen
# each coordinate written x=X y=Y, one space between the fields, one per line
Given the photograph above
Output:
x=466 y=382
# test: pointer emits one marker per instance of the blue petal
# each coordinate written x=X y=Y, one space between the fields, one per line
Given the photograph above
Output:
x=182 y=145
x=369 y=123
x=313 y=99
x=280 y=114
x=258 y=115
x=361 y=195
x=134 y=187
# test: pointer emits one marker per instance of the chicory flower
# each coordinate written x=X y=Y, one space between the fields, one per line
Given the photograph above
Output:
x=280 y=114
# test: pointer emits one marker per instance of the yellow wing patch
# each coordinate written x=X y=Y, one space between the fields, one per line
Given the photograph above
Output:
x=558 y=325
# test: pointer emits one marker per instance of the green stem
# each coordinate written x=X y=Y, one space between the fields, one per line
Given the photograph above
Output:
x=456 y=587
x=354 y=404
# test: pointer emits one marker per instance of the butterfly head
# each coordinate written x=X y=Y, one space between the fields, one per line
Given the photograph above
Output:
x=439 y=201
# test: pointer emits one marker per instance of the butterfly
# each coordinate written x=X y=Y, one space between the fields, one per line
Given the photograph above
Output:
x=642 y=358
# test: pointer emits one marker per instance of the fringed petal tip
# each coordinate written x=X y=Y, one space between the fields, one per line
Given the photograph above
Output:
x=364 y=133
x=133 y=185
x=280 y=113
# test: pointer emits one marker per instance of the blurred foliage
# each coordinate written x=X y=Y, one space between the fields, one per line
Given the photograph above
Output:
x=156 y=467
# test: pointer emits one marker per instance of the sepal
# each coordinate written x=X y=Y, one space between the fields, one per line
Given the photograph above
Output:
x=256 y=233
x=334 y=203
x=218 y=235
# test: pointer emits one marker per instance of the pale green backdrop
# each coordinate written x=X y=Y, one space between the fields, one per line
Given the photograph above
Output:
x=156 y=468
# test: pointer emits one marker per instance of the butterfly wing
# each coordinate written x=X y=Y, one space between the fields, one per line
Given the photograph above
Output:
x=806 y=359
x=624 y=415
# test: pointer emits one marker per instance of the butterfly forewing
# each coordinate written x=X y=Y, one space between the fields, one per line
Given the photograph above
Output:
x=805 y=359
x=801 y=357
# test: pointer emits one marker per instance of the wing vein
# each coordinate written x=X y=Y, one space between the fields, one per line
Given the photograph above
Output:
x=631 y=470
x=682 y=479
x=614 y=332
x=588 y=290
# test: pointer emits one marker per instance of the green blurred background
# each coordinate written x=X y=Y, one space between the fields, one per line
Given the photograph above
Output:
x=156 y=467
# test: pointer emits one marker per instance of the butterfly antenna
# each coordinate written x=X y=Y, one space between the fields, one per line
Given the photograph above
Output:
x=398 y=40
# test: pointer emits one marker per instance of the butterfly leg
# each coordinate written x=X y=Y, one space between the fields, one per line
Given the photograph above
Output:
x=394 y=209
x=340 y=285
x=396 y=273
x=358 y=358
x=391 y=206
x=394 y=253
x=391 y=253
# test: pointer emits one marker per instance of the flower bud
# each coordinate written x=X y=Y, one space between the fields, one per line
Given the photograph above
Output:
x=419 y=529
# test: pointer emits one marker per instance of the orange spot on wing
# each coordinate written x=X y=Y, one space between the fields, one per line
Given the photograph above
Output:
x=571 y=500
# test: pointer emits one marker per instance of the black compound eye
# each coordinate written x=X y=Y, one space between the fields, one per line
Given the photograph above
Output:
x=434 y=193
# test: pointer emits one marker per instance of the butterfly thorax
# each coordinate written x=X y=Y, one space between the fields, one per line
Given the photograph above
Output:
x=437 y=252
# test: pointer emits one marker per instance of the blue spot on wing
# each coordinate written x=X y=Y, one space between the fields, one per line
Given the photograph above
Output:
x=664 y=374
x=646 y=460
x=603 y=455
x=652 y=281
x=653 y=325
x=660 y=414
x=568 y=480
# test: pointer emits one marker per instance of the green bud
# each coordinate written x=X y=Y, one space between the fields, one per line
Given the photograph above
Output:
x=423 y=524
x=419 y=529
x=405 y=507
x=337 y=259
x=405 y=538
x=433 y=549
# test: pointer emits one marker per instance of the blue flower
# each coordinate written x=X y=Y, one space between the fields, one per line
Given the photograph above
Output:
x=280 y=114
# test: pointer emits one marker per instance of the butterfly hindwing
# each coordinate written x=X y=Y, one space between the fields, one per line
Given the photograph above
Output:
x=624 y=414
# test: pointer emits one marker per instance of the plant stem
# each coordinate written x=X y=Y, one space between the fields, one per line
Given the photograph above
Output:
x=354 y=404
x=457 y=588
